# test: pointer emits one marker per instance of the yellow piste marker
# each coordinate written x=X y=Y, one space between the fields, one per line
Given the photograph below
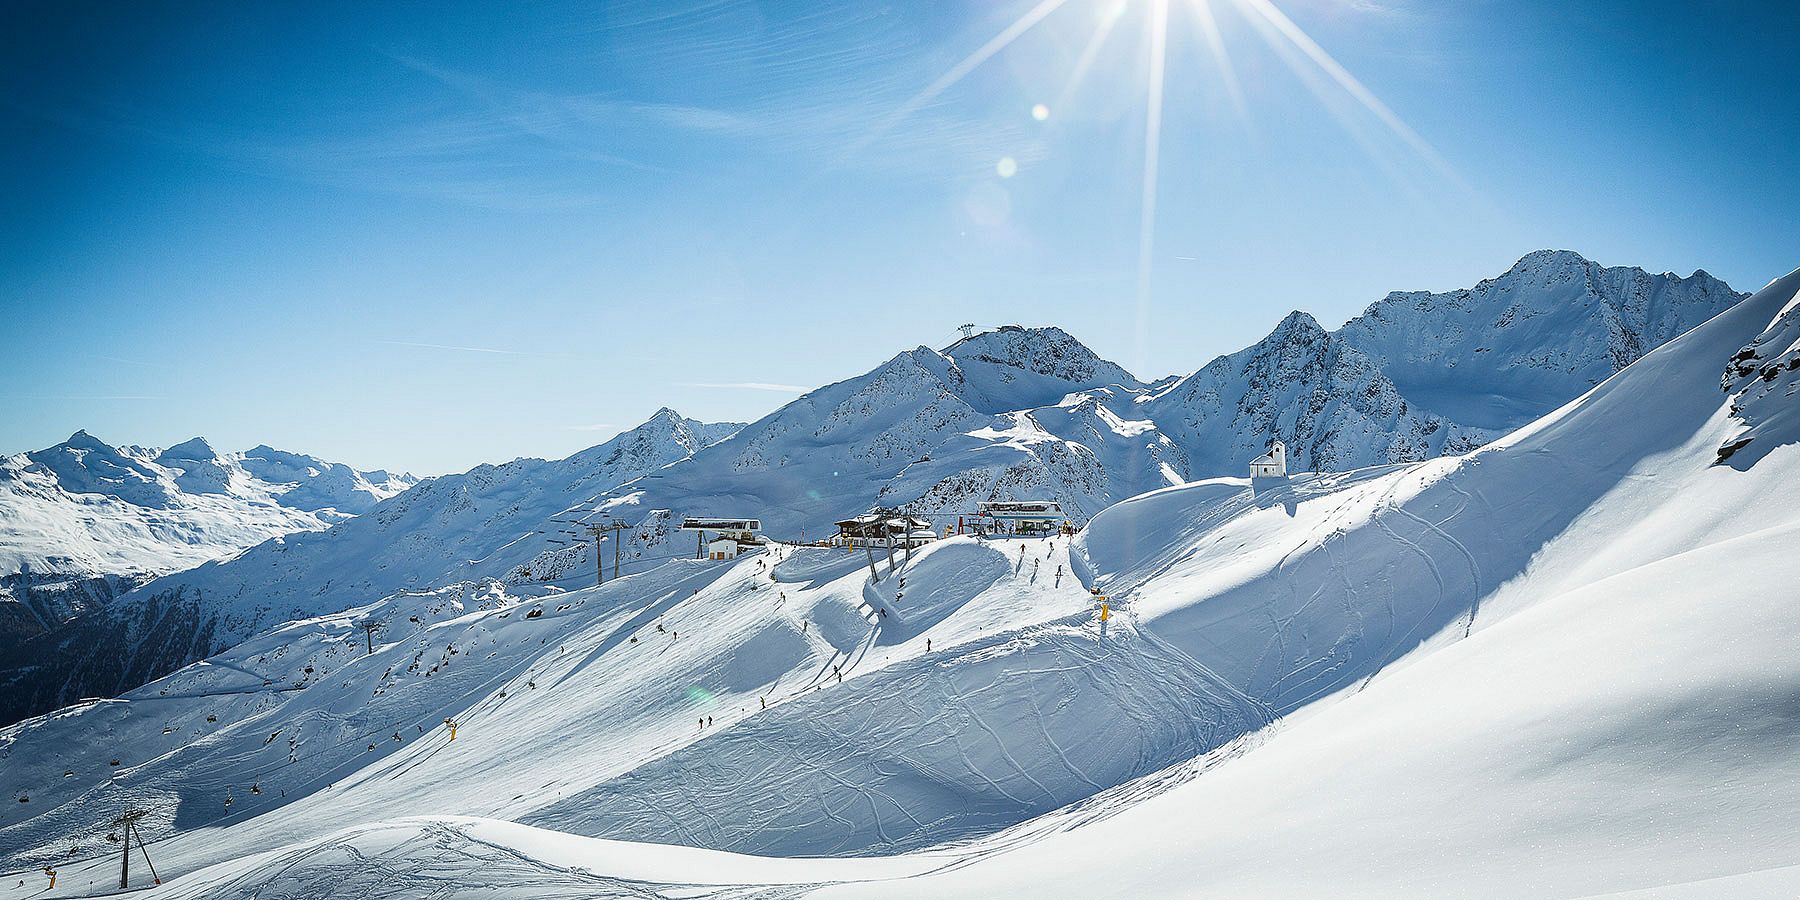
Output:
x=1105 y=611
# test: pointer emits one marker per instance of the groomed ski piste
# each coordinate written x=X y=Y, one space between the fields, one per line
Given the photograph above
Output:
x=1561 y=665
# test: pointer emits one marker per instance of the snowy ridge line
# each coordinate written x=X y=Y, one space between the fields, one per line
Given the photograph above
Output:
x=1017 y=413
x=1632 y=599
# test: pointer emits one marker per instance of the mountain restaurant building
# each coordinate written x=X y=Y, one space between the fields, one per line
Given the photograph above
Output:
x=881 y=528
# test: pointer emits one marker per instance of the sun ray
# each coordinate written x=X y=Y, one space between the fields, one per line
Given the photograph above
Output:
x=1085 y=61
x=969 y=64
x=1300 y=39
x=1159 y=42
x=1215 y=44
x=1342 y=111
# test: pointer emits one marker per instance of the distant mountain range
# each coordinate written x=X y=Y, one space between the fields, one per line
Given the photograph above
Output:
x=84 y=519
x=1008 y=414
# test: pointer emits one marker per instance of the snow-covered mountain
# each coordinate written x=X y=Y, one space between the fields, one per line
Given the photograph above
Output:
x=1015 y=413
x=83 y=520
x=1560 y=665
x=489 y=519
x=1332 y=404
x=1030 y=412
x=1420 y=374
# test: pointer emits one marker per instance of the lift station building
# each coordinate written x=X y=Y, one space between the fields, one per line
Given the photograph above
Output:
x=730 y=536
x=1024 y=516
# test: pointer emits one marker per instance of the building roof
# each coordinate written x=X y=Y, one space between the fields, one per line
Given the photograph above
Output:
x=872 y=523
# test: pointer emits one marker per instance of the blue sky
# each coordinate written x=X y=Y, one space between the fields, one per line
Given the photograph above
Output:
x=424 y=236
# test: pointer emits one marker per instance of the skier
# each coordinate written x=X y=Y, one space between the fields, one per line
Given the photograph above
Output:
x=928 y=645
x=709 y=721
x=764 y=701
x=702 y=721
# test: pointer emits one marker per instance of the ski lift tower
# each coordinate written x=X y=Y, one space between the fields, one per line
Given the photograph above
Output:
x=128 y=824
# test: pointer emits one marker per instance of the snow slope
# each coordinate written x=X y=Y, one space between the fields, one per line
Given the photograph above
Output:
x=1466 y=655
x=1559 y=666
x=1015 y=413
x=1001 y=720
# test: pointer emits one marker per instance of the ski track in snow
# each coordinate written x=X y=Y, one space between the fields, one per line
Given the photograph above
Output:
x=1027 y=720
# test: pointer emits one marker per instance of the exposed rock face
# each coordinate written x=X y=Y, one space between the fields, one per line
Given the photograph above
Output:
x=1329 y=402
x=1764 y=381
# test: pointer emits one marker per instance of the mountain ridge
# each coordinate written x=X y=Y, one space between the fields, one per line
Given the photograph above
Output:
x=935 y=432
x=1571 y=630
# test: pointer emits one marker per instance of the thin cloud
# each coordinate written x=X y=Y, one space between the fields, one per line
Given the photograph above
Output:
x=130 y=362
x=501 y=351
x=90 y=397
x=749 y=386
x=457 y=349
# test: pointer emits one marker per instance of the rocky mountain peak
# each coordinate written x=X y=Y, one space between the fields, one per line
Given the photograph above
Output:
x=82 y=440
x=1297 y=325
x=191 y=450
x=1048 y=351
